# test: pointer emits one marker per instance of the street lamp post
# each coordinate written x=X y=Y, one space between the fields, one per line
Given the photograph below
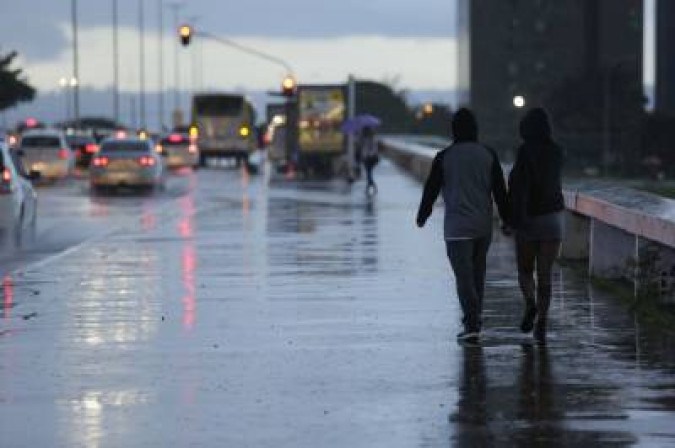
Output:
x=116 y=71
x=76 y=71
x=63 y=83
x=141 y=26
x=160 y=53
x=250 y=50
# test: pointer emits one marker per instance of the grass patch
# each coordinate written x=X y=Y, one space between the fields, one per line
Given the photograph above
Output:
x=646 y=306
x=662 y=190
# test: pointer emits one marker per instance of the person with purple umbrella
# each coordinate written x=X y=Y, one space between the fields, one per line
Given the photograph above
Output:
x=369 y=155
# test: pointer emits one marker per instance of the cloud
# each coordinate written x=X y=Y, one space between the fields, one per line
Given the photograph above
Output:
x=49 y=21
x=33 y=28
x=426 y=62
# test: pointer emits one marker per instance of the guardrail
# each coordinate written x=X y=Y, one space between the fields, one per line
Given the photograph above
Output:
x=622 y=232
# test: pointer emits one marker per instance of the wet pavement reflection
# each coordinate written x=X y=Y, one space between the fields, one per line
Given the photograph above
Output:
x=249 y=311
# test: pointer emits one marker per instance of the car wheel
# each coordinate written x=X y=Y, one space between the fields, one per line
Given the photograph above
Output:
x=202 y=160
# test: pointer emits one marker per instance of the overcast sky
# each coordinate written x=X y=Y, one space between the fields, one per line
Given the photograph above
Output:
x=322 y=40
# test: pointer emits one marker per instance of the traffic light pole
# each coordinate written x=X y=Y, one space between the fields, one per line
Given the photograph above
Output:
x=245 y=49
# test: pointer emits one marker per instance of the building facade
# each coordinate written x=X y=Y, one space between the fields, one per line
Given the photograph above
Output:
x=528 y=48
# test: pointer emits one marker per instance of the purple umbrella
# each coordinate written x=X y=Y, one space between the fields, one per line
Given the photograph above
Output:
x=356 y=124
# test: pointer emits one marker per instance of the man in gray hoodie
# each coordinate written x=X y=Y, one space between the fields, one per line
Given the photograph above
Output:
x=469 y=176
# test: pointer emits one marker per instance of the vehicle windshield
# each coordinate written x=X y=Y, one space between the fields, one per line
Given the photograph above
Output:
x=218 y=105
x=40 y=141
x=121 y=146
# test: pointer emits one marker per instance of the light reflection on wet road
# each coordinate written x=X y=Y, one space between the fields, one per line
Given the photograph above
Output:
x=230 y=311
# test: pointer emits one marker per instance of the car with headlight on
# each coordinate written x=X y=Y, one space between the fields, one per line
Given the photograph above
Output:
x=47 y=152
x=18 y=200
x=127 y=162
x=179 y=150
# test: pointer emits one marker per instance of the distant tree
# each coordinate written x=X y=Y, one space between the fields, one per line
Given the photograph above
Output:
x=383 y=102
x=14 y=88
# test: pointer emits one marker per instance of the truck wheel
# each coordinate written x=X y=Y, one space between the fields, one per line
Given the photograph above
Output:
x=202 y=160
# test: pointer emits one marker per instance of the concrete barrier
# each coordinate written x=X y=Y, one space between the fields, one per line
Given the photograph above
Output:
x=622 y=232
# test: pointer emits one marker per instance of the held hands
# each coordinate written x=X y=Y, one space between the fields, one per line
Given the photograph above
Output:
x=420 y=222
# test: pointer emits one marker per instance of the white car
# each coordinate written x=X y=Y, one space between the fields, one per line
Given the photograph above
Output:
x=127 y=163
x=48 y=152
x=178 y=150
x=18 y=200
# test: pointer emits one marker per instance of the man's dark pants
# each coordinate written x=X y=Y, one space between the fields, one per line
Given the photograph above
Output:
x=468 y=261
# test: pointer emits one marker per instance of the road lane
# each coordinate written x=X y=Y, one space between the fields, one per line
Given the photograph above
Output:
x=248 y=313
x=68 y=215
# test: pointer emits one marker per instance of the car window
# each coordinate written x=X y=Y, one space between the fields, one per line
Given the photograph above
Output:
x=40 y=141
x=121 y=146
x=80 y=141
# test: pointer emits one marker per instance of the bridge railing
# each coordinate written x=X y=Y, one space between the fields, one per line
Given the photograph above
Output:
x=622 y=232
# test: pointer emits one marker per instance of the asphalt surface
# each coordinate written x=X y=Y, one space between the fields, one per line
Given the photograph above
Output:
x=243 y=311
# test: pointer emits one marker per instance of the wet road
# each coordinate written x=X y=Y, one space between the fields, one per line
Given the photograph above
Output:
x=238 y=311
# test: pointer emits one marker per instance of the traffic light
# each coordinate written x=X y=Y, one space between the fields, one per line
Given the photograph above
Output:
x=185 y=33
x=288 y=86
x=193 y=131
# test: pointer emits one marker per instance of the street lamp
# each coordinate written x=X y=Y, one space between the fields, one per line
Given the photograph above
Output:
x=67 y=83
x=519 y=101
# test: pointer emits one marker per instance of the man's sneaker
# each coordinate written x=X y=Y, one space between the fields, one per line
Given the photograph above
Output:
x=468 y=336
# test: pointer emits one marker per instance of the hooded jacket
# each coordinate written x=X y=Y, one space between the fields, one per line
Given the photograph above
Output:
x=469 y=176
x=535 y=182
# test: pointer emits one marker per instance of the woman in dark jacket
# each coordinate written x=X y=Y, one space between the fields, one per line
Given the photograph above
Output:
x=535 y=192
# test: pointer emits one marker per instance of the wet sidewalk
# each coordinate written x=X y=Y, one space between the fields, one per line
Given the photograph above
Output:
x=305 y=315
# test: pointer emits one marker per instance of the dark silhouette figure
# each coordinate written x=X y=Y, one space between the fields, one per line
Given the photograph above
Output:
x=537 y=203
x=369 y=154
x=469 y=175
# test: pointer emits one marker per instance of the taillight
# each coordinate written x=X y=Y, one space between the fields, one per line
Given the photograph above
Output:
x=63 y=153
x=176 y=138
x=146 y=161
x=192 y=148
x=100 y=161
x=5 y=185
x=91 y=148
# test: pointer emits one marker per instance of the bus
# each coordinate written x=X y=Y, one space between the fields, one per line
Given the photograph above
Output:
x=225 y=123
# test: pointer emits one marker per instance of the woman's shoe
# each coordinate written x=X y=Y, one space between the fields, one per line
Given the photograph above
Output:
x=540 y=330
